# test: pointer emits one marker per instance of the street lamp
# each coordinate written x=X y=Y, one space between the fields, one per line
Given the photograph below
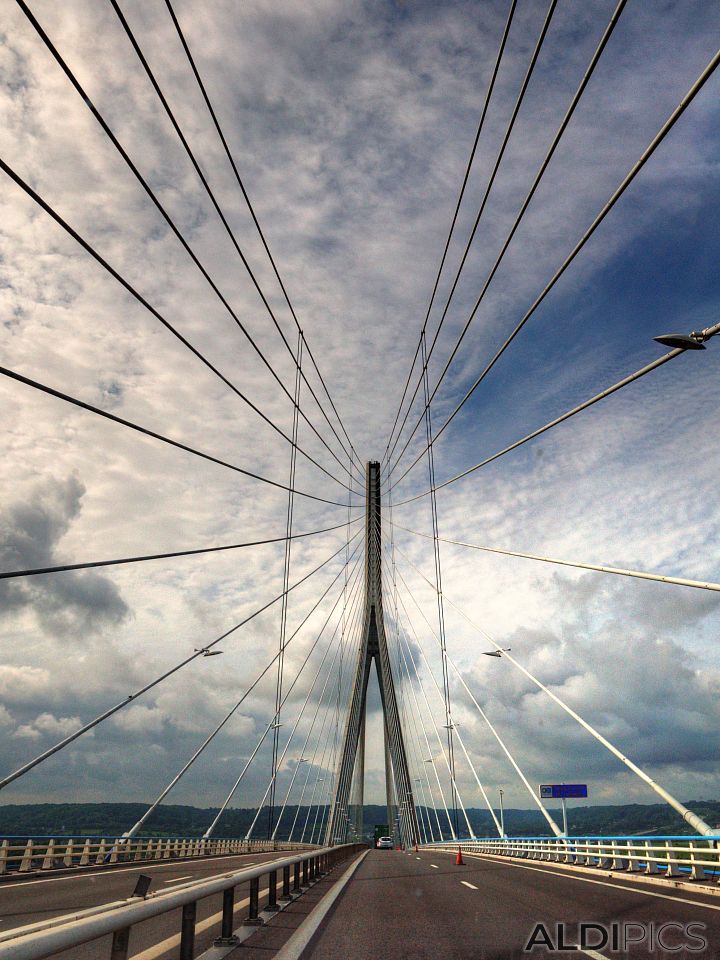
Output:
x=502 y=815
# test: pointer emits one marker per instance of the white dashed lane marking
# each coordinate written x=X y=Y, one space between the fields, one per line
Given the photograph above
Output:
x=466 y=884
x=434 y=866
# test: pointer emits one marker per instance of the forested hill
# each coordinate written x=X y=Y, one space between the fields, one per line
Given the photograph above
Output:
x=112 y=819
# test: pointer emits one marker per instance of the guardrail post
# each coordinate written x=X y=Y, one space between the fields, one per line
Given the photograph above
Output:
x=673 y=870
x=68 y=855
x=587 y=853
x=619 y=861
x=305 y=871
x=650 y=865
x=286 y=883
x=49 y=857
x=187 y=931
x=3 y=857
x=114 y=850
x=697 y=871
x=272 y=903
x=120 y=944
x=253 y=909
x=227 y=938
x=26 y=862
x=85 y=855
x=296 y=878
x=633 y=860
x=101 y=852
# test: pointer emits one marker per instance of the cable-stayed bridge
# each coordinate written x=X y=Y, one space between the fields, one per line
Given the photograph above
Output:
x=299 y=879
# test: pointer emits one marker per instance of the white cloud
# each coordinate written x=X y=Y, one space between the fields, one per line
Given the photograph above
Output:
x=47 y=725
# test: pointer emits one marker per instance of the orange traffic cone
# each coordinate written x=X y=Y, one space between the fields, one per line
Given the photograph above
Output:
x=459 y=862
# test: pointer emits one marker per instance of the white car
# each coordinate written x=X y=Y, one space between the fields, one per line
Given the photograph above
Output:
x=385 y=843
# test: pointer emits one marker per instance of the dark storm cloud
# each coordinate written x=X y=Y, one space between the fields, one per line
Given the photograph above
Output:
x=70 y=603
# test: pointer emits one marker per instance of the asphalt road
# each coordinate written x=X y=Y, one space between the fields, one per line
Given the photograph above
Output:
x=30 y=901
x=417 y=906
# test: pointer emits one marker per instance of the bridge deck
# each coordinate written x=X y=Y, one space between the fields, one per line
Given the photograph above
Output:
x=23 y=902
x=422 y=906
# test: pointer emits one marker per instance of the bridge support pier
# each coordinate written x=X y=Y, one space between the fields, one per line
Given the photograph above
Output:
x=373 y=649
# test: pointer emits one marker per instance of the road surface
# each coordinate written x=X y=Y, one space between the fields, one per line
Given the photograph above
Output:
x=424 y=907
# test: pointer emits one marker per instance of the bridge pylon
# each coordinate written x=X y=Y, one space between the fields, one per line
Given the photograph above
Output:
x=373 y=647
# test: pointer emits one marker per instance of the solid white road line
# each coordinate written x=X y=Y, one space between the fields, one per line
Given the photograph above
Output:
x=178 y=879
x=466 y=884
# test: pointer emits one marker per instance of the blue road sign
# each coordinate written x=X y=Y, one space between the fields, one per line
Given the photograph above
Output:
x=560 y=791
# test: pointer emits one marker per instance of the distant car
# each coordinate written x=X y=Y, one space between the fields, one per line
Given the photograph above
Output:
x=385 y=843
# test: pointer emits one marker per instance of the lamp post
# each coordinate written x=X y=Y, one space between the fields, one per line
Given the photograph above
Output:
x=502 y=816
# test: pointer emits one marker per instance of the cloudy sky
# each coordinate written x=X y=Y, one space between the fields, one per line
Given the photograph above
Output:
x=351 y=124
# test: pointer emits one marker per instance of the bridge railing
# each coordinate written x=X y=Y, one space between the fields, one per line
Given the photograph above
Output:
x=673 y=856
x=49 y=937
x=24 y=854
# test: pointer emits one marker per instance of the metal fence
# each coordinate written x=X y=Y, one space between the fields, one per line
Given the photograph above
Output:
x=48 y=937
x=695 y=857
x=26 y=854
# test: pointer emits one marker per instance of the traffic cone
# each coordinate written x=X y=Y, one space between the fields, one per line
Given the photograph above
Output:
x=459 y=862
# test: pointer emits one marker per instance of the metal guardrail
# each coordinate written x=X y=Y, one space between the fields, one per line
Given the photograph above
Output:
x=46 y=938
x=662 y=856
x=25 y=854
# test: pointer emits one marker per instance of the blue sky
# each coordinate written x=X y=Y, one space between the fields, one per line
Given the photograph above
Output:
x=351 y=124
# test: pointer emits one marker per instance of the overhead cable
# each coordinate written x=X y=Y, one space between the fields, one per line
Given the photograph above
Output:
x=90 y=564
x=643 y=371
x=216 y=730
x=201 y=652
x=496 y=166
x=692 y=818
x=468 y=167
x=594 y=60
x=131 y=425
x=643 y=575
x=241 y=185
x=94 y=253
x=617 y=193
x=160 y=208
x=198 y=170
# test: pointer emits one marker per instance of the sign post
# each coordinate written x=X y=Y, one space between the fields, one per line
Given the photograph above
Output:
x=563 y=792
